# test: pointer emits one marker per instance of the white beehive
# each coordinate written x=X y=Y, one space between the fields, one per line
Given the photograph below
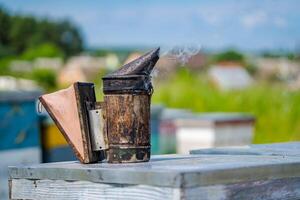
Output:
x=206 y=131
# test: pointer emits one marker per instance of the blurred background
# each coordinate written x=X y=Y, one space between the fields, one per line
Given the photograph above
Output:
x=229 y=72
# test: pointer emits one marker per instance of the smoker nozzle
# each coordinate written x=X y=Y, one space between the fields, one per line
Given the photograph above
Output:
x=140 y=66
x=133 y=77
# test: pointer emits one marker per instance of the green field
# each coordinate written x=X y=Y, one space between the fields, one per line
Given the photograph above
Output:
x=276 y=108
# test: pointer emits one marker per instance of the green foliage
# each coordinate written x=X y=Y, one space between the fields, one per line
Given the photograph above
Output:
x=68 y=38
x=5 y=51
x=230 y=55
x=251 y=68
x=4 y=65
x=236 y=57
x=45 y=78
x=5 y=22
x=288 y=55
x=5 y=26
x=99 y=52
x=20 y=33
x=122 y=53
x=277 y=110
x=43 y=50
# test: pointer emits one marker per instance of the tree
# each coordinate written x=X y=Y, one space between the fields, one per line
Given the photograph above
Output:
x=20 y=33
x=45 y=77
x=230 y=55
x=5 y=26
x=43 y=50
x=5 y=49
x=70 y=39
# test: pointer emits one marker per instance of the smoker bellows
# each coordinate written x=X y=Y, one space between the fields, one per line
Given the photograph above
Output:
x=117 y=129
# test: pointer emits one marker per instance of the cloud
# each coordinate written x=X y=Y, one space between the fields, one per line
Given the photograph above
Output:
x=280 y=22
x=254 y=19
x=211 y=16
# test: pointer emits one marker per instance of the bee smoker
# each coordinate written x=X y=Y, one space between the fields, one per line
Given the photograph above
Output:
x=117 y=129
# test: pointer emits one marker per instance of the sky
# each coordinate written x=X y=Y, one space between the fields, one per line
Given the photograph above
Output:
x=215 y=24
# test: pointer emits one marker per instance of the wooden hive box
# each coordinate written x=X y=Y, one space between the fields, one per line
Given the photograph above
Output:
x=19 y=132
x=165 y=177
x=206 y=131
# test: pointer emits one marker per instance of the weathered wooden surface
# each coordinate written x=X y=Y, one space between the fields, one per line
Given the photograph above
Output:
x=164 y=177
x=10 y=157
x=277 y=149
x=169 y=171
x=59 y=189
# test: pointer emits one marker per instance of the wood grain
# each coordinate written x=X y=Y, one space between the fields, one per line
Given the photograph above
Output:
x=279 y=189
x=67 y=190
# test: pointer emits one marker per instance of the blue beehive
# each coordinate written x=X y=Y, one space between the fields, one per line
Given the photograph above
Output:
x=155 y=122
x=55 y=147
x=19 y=124
x=19 y=133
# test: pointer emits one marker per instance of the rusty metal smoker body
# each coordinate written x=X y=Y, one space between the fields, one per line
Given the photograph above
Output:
x=127 y=97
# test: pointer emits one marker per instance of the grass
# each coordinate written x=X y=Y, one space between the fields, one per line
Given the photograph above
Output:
x=277 y=109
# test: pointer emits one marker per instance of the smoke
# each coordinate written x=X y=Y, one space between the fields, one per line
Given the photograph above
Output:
x=172 y=56
x=181 y=53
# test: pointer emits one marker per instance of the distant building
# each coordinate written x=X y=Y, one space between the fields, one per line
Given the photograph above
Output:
x=68 y=76
x=38 y=63
x=196 y=62
x=229 y=76
x=112 y=61
x=281 y=67
x=9 y=83
x=85 y=68
x=48 y=63
x=294 y=84
x=21 y=66
x=86 y=61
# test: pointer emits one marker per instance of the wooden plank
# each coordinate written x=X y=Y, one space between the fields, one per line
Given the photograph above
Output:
x=280 y=189
x=170 y=171
x=67 y=190
x=15 y=157
x=256 y=190
x=206 y=177
x=276 y=149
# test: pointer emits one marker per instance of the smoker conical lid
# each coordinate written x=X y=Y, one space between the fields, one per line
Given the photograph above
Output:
x=140 y=66
x=133 y=77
